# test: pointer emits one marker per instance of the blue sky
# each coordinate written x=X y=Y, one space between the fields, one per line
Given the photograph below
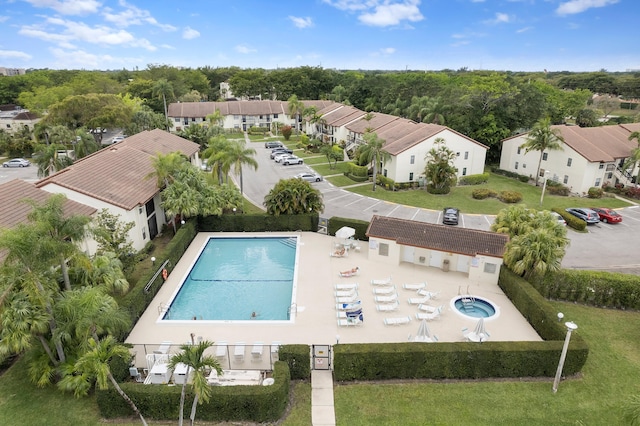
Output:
x=516 y=35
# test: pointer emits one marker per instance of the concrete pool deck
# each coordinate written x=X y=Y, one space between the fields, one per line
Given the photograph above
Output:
x=315 y=319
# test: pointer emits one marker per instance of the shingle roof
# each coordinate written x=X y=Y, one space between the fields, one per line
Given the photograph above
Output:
x=438 y=237
x=202 y=109
x=118 y=174
x=13 y=209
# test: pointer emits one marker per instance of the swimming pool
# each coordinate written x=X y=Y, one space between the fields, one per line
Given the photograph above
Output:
x=475 y=307
x=234 y=277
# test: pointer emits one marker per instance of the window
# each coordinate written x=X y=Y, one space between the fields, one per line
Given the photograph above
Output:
x=383 y=249
x=411 y=176
x=384 y=172
x=193 y=119
x=177 y=119
x=565 y=180
x=275 y=116
x=457 y=154
x=609 y=175
x=466 y=155
x=518 y=150
x=524 y=165
x=490 y=268
x=544 y=156
x=413 y=160
x=516 y=165
x=597 y=182
x=601 y=166
x=569 y=162
x=464 y=171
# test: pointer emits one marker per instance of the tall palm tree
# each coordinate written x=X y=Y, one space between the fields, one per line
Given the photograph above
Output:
x=236 y=156
x=103 y=270
x=295 y=108
x=95 y=364
x=163 y=89
x=193 y=357
x=216 y=146
x=632 y=161
x=373 y=153
x=49 y=161
x=165 y=168
x=439 y=170
x=542 y=138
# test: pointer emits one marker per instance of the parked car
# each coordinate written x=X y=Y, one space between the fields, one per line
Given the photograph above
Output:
x=279 y=155
x=273 y=144
x=309 y=177
x=607 y=215
x=16 y=162
x=291 y=159
x=281 y=150
x=450 y=216
x=587 y=215
x=559 y=218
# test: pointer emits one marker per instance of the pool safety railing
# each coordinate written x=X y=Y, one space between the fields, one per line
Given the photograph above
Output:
x=156 y=275
x=290 y=242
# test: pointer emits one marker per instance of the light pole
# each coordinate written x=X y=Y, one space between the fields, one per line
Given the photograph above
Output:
x=571 y=326
x=544 y=186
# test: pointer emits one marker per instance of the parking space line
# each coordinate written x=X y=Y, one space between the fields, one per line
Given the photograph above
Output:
x=415 y=214
x=372 y=206
x=392 y=211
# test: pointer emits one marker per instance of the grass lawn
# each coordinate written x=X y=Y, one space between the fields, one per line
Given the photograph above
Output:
x=596 y=398
x=460 y=197
x=325 y=169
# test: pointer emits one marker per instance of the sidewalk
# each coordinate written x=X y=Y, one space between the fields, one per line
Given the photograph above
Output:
x=322 y=410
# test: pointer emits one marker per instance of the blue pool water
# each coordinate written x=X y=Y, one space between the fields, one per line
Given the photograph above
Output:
x=234 y=277
x=475 y=307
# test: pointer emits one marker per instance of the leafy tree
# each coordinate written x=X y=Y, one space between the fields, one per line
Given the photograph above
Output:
x=237 y=155
x=195 y=133
x=49 y=161
x=20 y=144
x=632 y=161
x=541 y=138
x=587 y=118
x=94 y=365
x=193 y=357
x=145 y=119
x=293 y=196
x=295 y=108
x=333 y=153
x=163 y=90
x=166 y=167
x=286 y=132
x=440 y=171
x=84 y=144
x=372 y=153
x=112 y=235
x=103 y=271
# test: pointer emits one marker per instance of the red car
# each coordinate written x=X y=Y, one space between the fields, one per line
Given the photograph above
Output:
x=608 y=215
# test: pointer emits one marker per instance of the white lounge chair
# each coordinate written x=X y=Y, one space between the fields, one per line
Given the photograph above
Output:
x=348 y=286
x=397 y=321
x=414 y=286
x=347 y=299
x=429 y=294
x=429 y=316
x=387 y=308
x=430 y=309
x=418 y=300
x=256 y=351
x=386 y=281
x=345 y=293
x=349 y=306
x=221 y=349
x=384 y=290
x=275 y=348
x=238 y=351
x=351 y=321
x=348 y=314
x=392 y=298
x=164 y=347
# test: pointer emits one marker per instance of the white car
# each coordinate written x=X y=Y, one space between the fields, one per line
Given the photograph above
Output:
x=16 y=162
x=291 y=159
x=309 y=177
x=559 y=218
x=278 y=158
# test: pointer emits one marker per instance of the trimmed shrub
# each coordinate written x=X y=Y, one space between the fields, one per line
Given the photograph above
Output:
x=523 y=178
x=558 y=190
x=595 y=192
x=572 y=221
x=256 y=130
x=286 y=132
x=510 y=197
x=474 y=179
x=438 y=191
x=354 y=170
x=298 y=359
x=385 y=182
x=507 y=173
x=482 y=193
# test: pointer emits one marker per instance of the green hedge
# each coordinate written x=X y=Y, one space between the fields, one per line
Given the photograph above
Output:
x=572 y=221
x=482 y=193
x=507 y=173
x=596 y=288
x=471 y=360
x=298 y=360
x=360 y=226
x=474 y=179
x=227 y=403
x=510 y=197
x=258 y=223
x=354 y=170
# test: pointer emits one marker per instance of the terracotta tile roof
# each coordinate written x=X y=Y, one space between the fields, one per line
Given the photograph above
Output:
x=13 y=209
x=202 y=109
x=438 y=237
x=118 y=174
x=379 y=120
x=339 y=116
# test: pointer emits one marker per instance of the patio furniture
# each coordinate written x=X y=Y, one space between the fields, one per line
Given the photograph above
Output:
x=429 y=315
x=348 y=286
x=430 y=309
x=221 y=349
x=359 y=320
x=397 y=321
x=346 y=293
x=414 y=286
x=392 y=298
x=238 y=351
x=349 y=306
x=347 y=299
x=418 y=300
x=387 y=308
x=429 y=294
x=384 y=290
x=256 y=351
x=386 y=281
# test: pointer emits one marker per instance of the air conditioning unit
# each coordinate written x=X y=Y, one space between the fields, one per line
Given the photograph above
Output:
x=421 y=259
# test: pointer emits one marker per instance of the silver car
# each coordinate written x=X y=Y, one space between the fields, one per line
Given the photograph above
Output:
x=309 y=177
x=16 y=162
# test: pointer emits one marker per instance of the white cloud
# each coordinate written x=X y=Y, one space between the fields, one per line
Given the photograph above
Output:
x=132 y=15
x=389 y=13
x=83 y=59
x=68 y=7
x=500 y=18
x=242 y=48
x=572 y=7
x=385 y=51
x=350 y=5
x=524 y=30
x=3 y=18
x=189 y=33
x=14 y=54
x=301 y=22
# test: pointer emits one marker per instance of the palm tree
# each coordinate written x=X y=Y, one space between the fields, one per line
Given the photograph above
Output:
x=166 y=167
x=541 y=138
x=95 y=364
x=104 y=270
x=235 y=156
x=213 y=154
x=634 y=158
x=163 y=89
x=84 y=145
x=440 y=171
x=49 y=161
x=514 y=220
x=295 y=108
x=373 y=153
x=536 y=252
x=193 y=357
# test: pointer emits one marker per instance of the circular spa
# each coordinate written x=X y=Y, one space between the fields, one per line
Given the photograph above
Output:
x=475 y=307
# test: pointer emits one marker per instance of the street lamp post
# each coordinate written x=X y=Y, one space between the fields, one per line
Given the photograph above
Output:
x=571 y=326
x=544 y=186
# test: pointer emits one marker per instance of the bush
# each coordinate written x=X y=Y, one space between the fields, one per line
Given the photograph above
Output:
x=474 y=179
x=482 y=193
x=572 y=221
x=354 y=170
x=595 y=192
x=255 y=130
x=558 y=190
x=385 y=182
x=523 y=178
x=438 y=191
x=507 y=173
x=511 y=197
x=286 y=132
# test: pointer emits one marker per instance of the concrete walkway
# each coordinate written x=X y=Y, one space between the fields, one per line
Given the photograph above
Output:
x=322 y=411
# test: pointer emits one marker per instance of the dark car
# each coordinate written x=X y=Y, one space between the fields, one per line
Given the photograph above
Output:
x=607 y=215
x=281 y=150
x=450 y=216
x=587 y=215
x=273 y=144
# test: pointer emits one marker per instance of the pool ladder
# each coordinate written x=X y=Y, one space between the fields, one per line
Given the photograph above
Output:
x=468 y=301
